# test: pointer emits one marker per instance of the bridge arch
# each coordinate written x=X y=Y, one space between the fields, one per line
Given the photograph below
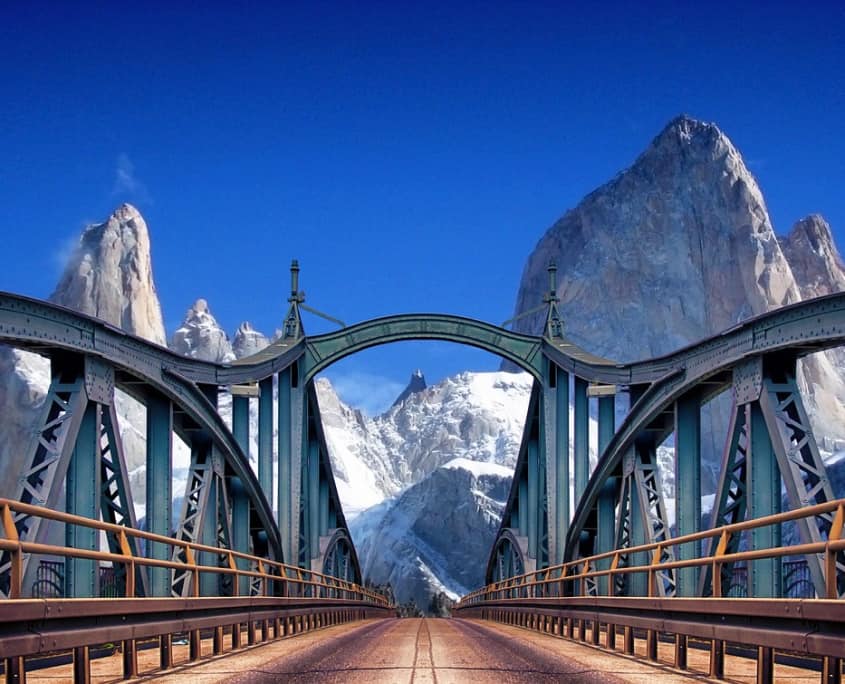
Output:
x=322 y=351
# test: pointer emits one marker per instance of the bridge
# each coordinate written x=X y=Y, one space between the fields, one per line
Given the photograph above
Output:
x=257 y=557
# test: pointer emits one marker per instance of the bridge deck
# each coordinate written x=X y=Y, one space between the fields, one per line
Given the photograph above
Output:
x=419 y=651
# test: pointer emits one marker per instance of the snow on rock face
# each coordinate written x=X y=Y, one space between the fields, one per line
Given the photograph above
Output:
x=201 y=337
x=415 y=384
x=436 y=535
x=248 y=341
x=478 y=416
x=424 y=484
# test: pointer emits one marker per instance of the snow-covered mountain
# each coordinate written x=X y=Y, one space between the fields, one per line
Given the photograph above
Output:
x=425 y=483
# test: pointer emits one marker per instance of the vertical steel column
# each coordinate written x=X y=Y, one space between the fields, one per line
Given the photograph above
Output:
x=265 y=436
x=763 y=499
x=240 y=422
x=313 y=499
x=159 y=487
x=285 y=436
x=606 y=532
x=582 y=438
x=533 y=497
x=209 y=582
x=522 y=507
x=240 y=500
x=542 y=489
x=638 y=582
x=240 y=529
x=83 y=498
x=563 y=509
x=607 y=421
x=687 y=486
x=324 y=507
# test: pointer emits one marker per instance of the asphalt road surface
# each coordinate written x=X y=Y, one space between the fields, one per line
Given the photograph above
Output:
x=427 y=651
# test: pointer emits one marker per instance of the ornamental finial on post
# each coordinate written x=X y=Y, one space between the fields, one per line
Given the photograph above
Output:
x=292 y=328
x=554 y=323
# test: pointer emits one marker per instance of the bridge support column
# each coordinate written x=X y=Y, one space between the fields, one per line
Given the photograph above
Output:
x=83 y=498
x=561 y=459
x=293 y=421
x=764 y=498
x=265 y=436
x=533 y=497
x=582 y=438
x=606 y=533
x=159 y=486
x=687 y=486
x=521 y=522
x=240 y=531
x=240 y=500
x=323 y=528
x=313 y=507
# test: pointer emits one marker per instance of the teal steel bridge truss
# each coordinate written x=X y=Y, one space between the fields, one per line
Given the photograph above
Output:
x=76 y=459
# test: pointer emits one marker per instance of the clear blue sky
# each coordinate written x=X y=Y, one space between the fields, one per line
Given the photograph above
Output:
x=410 y=155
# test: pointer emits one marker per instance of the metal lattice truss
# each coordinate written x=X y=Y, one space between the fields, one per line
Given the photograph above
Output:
x=641 y=519
x=206 y=518
x=731 y=495
x=75 y=390
x=801 y=466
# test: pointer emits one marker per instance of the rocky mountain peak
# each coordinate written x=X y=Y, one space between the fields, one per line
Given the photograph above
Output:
x=201 y=337
x=248 y=341
x=813 y=257
x=110 y=276
x=680 y=245
x=415 y=384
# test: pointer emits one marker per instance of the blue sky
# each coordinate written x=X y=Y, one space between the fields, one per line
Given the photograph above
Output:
x=410 y=156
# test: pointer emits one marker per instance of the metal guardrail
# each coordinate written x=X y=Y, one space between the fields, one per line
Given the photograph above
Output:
x=563 y=600
x=276 y=579
x=581 y=574
x=283 y=600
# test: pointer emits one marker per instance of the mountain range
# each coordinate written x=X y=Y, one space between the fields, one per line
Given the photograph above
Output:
x=680 y=246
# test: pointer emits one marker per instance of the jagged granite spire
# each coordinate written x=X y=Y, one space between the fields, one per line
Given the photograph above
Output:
x=248 y=341
x=813 y=257
x=201 y=337
x=675 y=248
x=415 y=384
x=679 y=246
x=110 y=276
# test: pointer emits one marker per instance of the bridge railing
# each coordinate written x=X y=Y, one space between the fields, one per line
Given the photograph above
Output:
x=580 y=577
x=272 y=577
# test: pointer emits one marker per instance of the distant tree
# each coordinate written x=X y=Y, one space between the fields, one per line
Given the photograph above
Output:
x=440 y=605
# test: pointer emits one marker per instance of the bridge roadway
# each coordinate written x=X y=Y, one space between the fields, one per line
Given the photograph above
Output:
x=418 y=651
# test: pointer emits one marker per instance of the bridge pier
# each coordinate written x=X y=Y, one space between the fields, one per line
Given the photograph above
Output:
x=687 y=486
x=83 y=499
x=159 y=494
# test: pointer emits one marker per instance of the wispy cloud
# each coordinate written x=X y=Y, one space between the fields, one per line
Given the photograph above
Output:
x=126 y=182
x=63 y=251
x=371 y=393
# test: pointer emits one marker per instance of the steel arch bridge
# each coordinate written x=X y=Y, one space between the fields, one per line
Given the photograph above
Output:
x=227 y=506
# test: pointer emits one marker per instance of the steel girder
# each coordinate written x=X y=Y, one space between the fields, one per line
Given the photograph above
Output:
x=508 y=557
x=526 y=518
x=800 y=329
x=770 y=430
x=803 y=328
x=142 y=368
x=77 y=444
x=324 y=350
